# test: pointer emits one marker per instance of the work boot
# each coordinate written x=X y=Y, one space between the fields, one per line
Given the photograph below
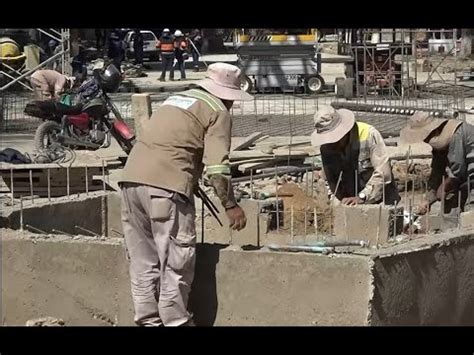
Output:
x=162 y=79
x=171 y=79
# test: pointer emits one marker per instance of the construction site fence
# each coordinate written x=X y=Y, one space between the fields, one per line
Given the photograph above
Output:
x=275 y=112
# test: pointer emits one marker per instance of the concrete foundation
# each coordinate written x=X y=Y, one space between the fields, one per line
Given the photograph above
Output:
x=428 y=281
x=84 y=281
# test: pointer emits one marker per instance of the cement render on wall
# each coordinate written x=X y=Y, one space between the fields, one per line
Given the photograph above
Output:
x=432 y=286
x=86 y=282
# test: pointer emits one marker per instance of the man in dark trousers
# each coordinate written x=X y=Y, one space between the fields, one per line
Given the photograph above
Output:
x=166 y=45
x=115 y=50
x=138 y=47
x=99 y=38
x=196 y=40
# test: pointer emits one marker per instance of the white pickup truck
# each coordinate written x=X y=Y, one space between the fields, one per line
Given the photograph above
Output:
x=150 y=45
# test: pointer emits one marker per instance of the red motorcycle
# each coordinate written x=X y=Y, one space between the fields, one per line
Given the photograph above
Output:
x=88 y=124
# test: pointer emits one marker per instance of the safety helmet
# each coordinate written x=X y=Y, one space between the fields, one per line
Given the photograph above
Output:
x=178 y=33
x=166 y=30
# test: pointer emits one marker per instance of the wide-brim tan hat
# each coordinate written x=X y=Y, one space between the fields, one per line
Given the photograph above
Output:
x=223 y=81
x=331 y=125
x=419 y=127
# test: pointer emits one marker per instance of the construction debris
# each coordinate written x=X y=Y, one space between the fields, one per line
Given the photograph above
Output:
x=45 y=322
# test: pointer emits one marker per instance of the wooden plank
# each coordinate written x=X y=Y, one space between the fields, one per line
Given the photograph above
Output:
x=250 y=140
x=246 y=167
x=261 y=139
x=282 y=141
x=256 y=160
x=292 y=153
x=248 y=154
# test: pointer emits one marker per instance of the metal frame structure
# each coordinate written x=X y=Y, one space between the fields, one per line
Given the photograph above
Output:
x=63 y=37
x=402 y=43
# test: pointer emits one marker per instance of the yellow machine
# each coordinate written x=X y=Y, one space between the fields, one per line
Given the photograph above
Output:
x=279 y=59
x=302 y=36
x=10 y=53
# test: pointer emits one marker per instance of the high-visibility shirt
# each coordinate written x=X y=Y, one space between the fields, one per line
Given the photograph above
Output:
x=189 y=130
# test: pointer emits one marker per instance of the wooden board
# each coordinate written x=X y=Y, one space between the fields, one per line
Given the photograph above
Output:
x=248 y=154
x=256 y=160
x=246 y=168
x=250 y=140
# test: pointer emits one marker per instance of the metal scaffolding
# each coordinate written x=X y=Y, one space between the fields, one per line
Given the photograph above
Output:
x=63 y=56
x=386 y=60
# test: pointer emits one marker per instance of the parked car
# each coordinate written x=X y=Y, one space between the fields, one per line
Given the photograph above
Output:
x=150 y=44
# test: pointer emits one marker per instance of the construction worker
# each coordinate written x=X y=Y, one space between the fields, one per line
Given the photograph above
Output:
x=452 y=143
x=355 y=153
x=49 y=84
x=166 y=46
x=196 y=39
x=138 y=47
x=116 y=50
x=191 y=129
x=180 y=53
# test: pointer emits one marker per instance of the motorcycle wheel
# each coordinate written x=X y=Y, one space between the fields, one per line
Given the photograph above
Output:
x=46 y=134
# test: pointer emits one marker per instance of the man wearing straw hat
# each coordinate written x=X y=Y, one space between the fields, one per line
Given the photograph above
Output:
x=452 y=165
x=354 y=153
x=191 y=129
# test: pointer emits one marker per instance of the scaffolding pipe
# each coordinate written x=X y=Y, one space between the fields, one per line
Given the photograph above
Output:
x=50 y=35
x=47 y=61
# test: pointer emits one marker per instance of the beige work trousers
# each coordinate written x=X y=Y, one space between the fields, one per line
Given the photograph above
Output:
x=160 y=239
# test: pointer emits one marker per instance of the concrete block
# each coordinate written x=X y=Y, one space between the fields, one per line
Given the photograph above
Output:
x=437 y=223
x=372 y=223
x=141 y=111
x=257 y=226
x=467 y=220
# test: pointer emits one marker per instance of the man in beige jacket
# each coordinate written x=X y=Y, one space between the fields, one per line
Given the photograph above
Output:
x=49 y=84
x=191 y=129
